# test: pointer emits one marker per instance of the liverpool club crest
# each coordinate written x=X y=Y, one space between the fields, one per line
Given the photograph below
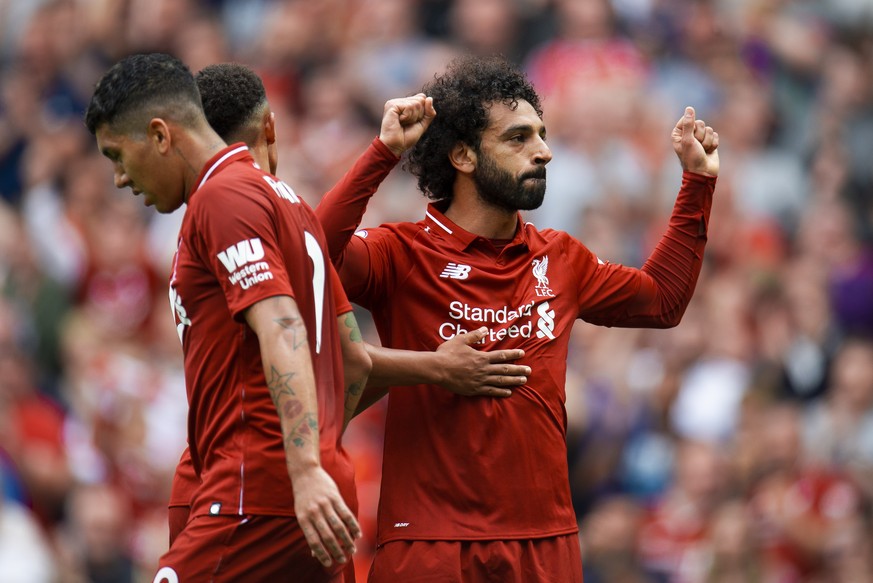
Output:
x=539 y=271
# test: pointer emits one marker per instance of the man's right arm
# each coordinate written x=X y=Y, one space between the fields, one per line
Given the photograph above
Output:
x=340 y=211
x=455 y=366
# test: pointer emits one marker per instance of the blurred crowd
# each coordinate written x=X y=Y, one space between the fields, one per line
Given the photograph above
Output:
x=737 y=447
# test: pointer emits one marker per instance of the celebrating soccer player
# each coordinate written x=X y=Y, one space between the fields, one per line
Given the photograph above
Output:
x=478 y=489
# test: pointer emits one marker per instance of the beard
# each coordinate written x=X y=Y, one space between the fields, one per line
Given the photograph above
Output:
x=500 y=188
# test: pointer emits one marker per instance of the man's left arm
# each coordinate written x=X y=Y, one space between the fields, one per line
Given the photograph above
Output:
x=666 y=282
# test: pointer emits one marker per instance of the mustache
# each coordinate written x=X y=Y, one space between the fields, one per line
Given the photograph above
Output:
x=539 y=172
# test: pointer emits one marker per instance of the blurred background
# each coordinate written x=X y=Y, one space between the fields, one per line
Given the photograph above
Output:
x=737 y=447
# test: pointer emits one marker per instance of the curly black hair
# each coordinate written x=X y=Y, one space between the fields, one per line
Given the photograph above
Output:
x=140 y=87
x=462 y=97
x=232 y=96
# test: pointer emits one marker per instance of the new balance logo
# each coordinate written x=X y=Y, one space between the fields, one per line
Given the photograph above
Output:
x=456 y=271
x=243 y=252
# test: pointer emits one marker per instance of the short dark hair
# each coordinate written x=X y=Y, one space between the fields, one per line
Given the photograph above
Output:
x=143 y=86
x=232 y=96
x=462 y=97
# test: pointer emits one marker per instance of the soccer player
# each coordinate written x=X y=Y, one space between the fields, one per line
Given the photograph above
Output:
x=236 y=106
x=253 y=302
x=477 y=489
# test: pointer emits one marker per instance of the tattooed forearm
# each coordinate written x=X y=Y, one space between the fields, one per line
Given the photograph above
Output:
x=279 y=384
x=304 y=430
x=356 y=366
x=353 y=395
x=294 y=325
x=299 y=426
x=301 y=429
x=354 y=331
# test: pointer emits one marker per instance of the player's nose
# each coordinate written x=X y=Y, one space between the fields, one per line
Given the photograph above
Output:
x=121 y=179
x=542 y=154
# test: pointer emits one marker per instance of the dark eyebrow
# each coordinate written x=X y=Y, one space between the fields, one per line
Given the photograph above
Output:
x=523 y=128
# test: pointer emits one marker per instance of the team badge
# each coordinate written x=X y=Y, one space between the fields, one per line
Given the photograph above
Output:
x=540 y=266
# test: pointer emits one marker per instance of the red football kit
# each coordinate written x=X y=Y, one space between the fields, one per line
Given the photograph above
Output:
x=459 y=468
x=246 y=237
x=185 y=480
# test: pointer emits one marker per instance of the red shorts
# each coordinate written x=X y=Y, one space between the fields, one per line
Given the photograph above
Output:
x=177 y=518
x=243 y=548
x=546 y=560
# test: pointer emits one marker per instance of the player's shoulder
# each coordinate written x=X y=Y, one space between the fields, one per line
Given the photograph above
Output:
x=546 y=235
x=399 y=231
x=553 y=240
x=243 y=176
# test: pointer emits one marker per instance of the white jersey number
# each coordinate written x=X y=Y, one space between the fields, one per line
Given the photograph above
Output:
x=166 y=575
x=313 y=249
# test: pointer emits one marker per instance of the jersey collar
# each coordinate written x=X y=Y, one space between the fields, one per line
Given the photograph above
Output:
x=219 y=161
x=436 y=221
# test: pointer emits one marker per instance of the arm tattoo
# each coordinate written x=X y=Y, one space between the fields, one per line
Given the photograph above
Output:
x=306 y=429
x=353 y=392
x=301 y=429
x=292 y=323
x=279 y=384
x=354 y=331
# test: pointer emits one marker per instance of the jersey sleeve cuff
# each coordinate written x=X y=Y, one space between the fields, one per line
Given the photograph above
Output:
x=384 y=151
x=694 y=177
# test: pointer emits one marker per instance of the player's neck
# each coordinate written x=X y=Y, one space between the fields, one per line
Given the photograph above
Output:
x=196 y=150
x=472 y=214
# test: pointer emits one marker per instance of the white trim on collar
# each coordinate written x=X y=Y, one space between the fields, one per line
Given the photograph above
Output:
x=434 y=219
x=218 y=163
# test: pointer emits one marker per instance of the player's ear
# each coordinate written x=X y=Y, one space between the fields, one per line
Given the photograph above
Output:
x=158 y=133
x=463 y=158
x=270 y=127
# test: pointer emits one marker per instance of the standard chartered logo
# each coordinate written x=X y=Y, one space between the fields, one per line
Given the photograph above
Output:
x=502 y=322
x=546 y=322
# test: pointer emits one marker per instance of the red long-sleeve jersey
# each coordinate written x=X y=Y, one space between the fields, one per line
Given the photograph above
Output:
x=459 y=468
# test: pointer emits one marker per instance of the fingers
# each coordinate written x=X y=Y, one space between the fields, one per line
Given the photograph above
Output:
x=328 y=541
x=413 y=109
x=474 y=337
x=486 y=391
x=429 y=110
x=699 y=130
x=508 y=375
x=497 y=385
x=500 y=380
x=710 y=140
x=313 y=539
x=695 y=143
x=506 y=356
x=704 y=134
x=685 y=125
x=331 y=535
x=351 y=524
